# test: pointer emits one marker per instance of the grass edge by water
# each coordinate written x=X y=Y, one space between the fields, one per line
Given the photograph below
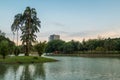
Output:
x=26 y=59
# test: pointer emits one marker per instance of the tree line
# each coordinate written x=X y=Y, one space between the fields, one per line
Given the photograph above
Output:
x=8 y=47
x=93 y=45
x=28 y=23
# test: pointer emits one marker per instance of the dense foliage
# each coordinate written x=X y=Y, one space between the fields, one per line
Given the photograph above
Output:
x=16 y=50
x=40 y=47
x=6 y=46
x=55 y=45
x=96 y=45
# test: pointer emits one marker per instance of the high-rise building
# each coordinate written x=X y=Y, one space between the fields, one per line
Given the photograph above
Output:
x=54 y=37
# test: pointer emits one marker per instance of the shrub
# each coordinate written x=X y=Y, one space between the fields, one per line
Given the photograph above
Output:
x=4 y=48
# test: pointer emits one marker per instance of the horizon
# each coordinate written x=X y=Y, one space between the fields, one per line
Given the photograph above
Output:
x=72 y=20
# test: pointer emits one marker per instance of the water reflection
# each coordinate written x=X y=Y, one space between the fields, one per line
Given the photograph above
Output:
x=3 y=70
x=22 y=72
x=72 y=68
x=68 y=68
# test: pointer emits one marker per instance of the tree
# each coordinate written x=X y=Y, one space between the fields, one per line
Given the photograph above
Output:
x=109 y=44
x=16 y=24
x=54 y=45
x=84 y=45
x=76 y=45
x=16 y=50
x=68 y=48
x=40 y=47
x=10 y=43
x=29 y=25
x=4 y=48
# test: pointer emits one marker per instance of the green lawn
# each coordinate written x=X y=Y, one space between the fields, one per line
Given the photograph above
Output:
x=26 y=59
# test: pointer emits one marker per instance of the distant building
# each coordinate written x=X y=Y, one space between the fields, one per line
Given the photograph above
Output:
x=54 y=37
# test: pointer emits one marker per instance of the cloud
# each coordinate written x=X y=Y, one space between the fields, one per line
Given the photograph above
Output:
x=58 y=24
x=89 y=35
x=78 y=36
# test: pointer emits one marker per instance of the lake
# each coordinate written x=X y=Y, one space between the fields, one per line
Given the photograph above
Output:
x=68 y=68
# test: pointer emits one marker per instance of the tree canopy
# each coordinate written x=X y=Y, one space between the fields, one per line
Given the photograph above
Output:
x=6 y=46
x=29 y=24
x=89 y=45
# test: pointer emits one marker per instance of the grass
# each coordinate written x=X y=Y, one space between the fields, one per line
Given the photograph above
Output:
x=26 y=59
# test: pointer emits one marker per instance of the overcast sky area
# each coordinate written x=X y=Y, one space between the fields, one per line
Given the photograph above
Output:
x=71 y=19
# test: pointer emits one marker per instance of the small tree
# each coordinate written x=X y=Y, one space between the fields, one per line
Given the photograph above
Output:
x=16 y=51
x=40 y=47
x=4 y=48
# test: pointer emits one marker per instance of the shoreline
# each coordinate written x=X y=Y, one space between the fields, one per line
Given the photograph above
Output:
x=25 y=60
x=87 y=55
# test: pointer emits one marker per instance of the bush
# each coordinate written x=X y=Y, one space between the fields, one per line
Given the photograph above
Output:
x=100 y=49
x=40 y=48
x=4 y=48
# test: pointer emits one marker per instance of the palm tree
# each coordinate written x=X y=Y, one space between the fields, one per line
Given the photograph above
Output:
x=29 y=25
x=16 y=25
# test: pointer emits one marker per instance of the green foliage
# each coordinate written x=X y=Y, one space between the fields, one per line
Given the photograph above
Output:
x=4 y=48
x=2 y=33
x=75 y=45
x=29 y=24
x=68 y=47
x=16 y=51
x=40 y=47
x=91 y=45
x=26 y=59
x=100 y=49
x=55 y=45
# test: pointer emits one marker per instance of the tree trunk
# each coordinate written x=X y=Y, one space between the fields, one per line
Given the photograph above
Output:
x=17 y=37
x=27 y=49
x=13 y=37
x=27 y=38
x=3 y=56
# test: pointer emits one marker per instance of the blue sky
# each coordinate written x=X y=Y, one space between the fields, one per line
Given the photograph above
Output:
x=71 y=19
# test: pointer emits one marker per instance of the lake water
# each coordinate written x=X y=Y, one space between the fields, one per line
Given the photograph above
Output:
x=68 y=68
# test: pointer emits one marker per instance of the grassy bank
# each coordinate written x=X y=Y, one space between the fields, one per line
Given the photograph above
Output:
x=26 y=59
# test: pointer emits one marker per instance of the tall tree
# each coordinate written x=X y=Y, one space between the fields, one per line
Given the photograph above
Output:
x=29 y=25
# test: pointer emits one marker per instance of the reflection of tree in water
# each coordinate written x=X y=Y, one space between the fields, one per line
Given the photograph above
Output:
x=26 y=73
x=3 y=70
x=39 y=71
x=7 y=71
x=22 y=72
x=15 y=70
x=33 y=73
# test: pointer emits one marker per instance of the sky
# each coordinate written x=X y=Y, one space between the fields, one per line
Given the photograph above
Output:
x=71 y=19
